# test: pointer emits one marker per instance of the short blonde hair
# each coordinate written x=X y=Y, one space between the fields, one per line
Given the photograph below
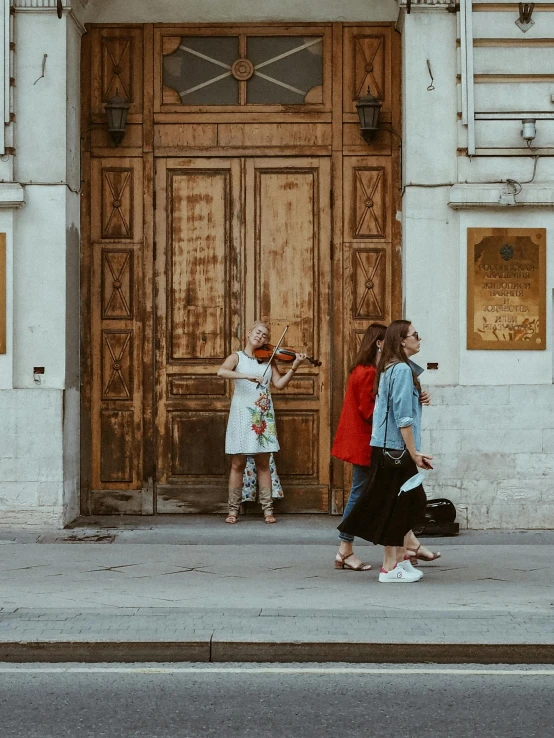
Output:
x=260 y=322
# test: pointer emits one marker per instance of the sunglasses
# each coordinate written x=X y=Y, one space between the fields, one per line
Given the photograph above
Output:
x=415 y=335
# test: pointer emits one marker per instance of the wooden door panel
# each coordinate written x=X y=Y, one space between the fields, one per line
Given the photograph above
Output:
x=298 y=438
x=117 y=284
x=287 y=283
x=117 y=435
x=367 y=64
x=288 y=247
x=116 y=67
x=287 y=252
x=368 y=198
x=198 y=311
x=117 y=188
x=370 y=284
x=197 y=440
x=199 y=239
x=116 y=335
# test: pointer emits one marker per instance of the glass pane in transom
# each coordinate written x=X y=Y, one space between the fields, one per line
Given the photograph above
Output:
x=288 y=70
x=199 y=70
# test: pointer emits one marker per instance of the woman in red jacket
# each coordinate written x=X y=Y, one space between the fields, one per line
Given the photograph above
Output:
x=354 y=432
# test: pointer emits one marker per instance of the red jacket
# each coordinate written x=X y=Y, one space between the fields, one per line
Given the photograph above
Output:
x=354 y=431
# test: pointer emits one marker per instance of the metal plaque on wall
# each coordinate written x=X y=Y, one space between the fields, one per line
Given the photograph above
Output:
x=506 y=289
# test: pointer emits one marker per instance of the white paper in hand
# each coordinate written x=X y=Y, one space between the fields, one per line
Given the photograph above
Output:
x=412 y=482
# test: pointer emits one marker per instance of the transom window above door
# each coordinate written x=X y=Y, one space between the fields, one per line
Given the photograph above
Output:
x=242 y=69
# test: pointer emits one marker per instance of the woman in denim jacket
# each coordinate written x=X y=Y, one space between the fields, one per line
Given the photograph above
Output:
x=382 y=514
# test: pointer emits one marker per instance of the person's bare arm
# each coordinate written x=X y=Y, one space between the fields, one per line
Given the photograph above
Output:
x=227 y=370
x=279 y=380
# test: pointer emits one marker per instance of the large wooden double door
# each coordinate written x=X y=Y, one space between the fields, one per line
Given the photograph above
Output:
x=240 y=239
x=242 y=190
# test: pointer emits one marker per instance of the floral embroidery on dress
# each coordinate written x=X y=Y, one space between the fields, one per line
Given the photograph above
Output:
x=263 y=402
x=263 y=420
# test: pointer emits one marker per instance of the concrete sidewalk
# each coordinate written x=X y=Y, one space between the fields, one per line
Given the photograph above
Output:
x=194 y=589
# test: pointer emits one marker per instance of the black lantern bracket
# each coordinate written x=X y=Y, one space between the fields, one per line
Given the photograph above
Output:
x=116 y=109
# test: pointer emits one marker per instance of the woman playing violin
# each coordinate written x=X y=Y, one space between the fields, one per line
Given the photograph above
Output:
x=251 y=429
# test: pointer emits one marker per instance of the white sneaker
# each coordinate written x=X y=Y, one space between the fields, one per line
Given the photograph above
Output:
x=410 y=568
x=398 y=574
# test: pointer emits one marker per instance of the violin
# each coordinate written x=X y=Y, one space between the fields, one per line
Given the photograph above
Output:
x=265 y=352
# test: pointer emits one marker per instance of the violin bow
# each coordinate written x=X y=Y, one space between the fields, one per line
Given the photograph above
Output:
x=276 y=348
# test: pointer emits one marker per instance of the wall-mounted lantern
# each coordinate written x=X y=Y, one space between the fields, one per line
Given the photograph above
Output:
x=116 y=114
x=369 y=108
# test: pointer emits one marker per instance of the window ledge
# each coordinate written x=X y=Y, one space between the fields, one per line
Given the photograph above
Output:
x=467 y=196
x=12 y=195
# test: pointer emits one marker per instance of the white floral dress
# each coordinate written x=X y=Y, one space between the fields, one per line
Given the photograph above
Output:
x=251 y=426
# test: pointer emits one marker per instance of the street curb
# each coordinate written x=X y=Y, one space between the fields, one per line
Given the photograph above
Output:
x=262 y=652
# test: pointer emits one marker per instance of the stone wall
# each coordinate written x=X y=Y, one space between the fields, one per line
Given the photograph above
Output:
x=31 y=459
x=493 y=451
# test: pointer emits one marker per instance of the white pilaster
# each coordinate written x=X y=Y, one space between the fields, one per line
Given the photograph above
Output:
x=45 y=298
x=430 y=232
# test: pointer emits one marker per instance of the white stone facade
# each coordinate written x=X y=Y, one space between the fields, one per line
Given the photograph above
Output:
x=491 y=427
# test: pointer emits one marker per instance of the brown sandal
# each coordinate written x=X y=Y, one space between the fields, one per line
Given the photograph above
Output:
x=231 y=519
x=362 y=566
x=269 y=519
x=414 y=558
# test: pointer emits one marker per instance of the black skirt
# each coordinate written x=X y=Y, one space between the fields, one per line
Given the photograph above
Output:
x=380 y=515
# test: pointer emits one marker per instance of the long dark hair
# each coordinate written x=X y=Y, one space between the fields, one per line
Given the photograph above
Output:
x=393 y=352
x=368 y=351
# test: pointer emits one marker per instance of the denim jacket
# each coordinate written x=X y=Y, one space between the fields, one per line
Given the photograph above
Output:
x=404 y=410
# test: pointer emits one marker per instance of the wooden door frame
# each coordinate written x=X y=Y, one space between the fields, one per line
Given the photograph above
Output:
x=95 y=143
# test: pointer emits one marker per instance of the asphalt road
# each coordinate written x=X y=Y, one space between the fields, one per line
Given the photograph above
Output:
x=308 y=701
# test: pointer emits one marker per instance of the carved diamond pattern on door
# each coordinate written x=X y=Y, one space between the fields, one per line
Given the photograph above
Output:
x=367 y=64
x=117 y=203
x=370 y=280
x=117 y=365
x=369 y=67
x=370 y=187
x=117 y=67
x=367 y=198
x=117 y=284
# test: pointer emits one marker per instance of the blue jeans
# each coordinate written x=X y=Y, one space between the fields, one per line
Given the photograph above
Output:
x=360 y=475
